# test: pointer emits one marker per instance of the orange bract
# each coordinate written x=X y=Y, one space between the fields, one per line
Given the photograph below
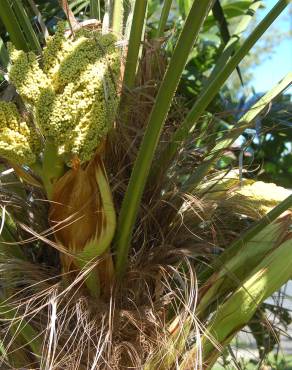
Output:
x=77 y=209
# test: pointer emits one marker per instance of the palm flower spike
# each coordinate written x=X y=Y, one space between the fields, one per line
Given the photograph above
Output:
x=73 y=95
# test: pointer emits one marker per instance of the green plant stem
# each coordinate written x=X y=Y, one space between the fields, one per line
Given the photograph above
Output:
x=94 y=9
x=212 y=88
x=163 y=17
x=51 y=168
x=157 y=119
x=134 y=43
x=118 y=15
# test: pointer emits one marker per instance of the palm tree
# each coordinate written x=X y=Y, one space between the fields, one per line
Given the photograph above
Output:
x=121 y=243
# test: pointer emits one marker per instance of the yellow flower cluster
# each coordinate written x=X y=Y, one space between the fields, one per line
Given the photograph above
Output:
x=264 y=196
x=253 y=199
x=18 y=141
x=73 y=91
x=26 y=74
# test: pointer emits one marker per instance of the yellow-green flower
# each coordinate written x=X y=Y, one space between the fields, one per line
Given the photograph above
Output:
x=263 y=196
x=26 y=75
x=18 y=141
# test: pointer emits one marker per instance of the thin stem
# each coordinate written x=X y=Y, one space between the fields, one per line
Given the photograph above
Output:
x=163 y=17
x=118 y=15
x=134 y=43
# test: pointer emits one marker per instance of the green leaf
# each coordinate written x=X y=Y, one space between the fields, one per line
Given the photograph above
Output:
x=222 y=22
x=232 y=10
x=237 y=8
x=40 y=19
x=234 y=41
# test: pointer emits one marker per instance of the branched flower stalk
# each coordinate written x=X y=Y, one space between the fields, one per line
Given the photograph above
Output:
x=71 y=94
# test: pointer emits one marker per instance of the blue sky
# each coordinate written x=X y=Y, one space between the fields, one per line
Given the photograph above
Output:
x=279 y=63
